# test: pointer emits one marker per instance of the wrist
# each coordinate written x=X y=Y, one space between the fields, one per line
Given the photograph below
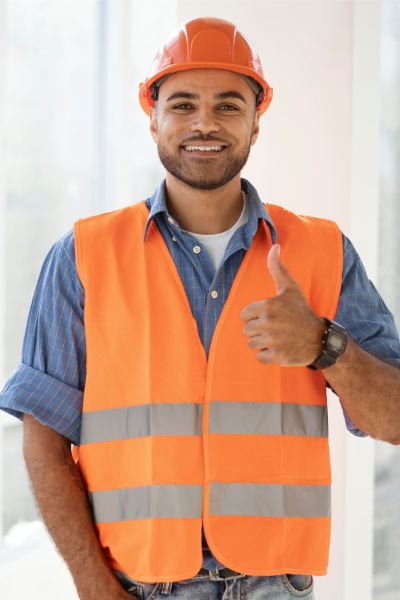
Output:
x=333 y=343
x=320 y=330
x=98 y=583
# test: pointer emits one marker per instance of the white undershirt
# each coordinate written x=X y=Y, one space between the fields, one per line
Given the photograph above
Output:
x=216 y=243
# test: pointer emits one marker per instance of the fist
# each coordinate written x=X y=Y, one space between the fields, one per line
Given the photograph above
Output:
x=283 y=329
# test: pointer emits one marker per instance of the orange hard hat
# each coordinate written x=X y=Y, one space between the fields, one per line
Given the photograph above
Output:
x=206 y=43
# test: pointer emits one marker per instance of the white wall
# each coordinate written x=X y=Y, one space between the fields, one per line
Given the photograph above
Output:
x=363 y=227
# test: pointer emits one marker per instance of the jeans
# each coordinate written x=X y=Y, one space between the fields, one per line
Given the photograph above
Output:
x=214 y=587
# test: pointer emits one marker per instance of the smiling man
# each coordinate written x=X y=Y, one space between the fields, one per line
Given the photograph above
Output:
x=204 y=136
x=211 y=324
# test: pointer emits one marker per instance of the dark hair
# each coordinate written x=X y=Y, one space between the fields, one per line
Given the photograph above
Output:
x=257 y=87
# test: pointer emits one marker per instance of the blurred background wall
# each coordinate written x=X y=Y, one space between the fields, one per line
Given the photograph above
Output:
x=76 y=142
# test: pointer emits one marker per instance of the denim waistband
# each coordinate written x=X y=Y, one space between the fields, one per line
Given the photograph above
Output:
x=216 y=574
x=213 y=574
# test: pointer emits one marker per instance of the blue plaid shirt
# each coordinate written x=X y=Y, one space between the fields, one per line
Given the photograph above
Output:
x=49 y=381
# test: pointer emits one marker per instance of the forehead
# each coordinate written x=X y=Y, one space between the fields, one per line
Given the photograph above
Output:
x=210 y=81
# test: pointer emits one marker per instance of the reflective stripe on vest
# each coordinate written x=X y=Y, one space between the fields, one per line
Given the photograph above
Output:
x=172 y=440
x=271 y=418
x=185 y=501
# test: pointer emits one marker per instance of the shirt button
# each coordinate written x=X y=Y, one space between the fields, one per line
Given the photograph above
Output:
x=173 y=238
x=170 y=219
x=214 y=294
x=196 y=249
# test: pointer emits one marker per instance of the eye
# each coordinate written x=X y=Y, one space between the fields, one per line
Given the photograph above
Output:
x=225 y=107
x=181 y=106
x=229 y=106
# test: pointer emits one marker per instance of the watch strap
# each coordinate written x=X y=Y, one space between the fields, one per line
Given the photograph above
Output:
x=329 y=356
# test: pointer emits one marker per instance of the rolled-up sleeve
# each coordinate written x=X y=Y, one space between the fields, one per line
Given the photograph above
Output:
x=49 y=381
x=365 y=315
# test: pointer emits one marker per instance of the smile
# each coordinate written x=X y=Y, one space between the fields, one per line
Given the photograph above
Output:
x=204 y=150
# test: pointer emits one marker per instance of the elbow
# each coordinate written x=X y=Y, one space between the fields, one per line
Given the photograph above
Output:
x=391 y=437
x=394 y=440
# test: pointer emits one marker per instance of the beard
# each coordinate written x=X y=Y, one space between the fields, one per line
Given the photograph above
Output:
x=204 y=174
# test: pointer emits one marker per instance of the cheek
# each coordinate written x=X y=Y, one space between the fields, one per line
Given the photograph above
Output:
x=170 y=130
x=240 y=128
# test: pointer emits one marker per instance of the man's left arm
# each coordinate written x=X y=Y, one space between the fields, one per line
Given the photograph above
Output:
x=286 y=331
x=369 y=390
x=371 y=325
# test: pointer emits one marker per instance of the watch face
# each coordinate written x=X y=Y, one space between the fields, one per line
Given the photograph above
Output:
x=336 y=342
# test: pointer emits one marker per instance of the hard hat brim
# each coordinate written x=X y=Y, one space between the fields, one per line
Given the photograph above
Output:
x=147 y=102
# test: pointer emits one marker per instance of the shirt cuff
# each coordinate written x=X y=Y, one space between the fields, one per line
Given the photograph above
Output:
x=51 y=401
x=351 y=427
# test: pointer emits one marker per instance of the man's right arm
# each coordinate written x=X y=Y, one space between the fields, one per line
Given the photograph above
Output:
x=65 y=508
x=46 y=393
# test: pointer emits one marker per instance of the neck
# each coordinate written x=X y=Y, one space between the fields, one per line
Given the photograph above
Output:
x=204 y=211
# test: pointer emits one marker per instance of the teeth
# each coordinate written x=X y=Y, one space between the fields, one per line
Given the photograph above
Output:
x=204 y=148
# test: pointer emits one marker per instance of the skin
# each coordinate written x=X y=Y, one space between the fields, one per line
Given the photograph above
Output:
x=204 y=196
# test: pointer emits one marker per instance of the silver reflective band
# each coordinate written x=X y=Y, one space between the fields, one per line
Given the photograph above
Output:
x=229 y=499
x=149 y=501
x=270 y=500
x=271 y=418
x=140 y=421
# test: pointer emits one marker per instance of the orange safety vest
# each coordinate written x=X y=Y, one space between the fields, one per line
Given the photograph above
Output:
x=171 y=439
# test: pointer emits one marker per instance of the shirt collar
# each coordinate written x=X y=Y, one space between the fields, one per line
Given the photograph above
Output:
x=257 y=210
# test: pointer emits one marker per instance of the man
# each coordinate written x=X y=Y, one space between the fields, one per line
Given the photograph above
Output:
x=210 y=324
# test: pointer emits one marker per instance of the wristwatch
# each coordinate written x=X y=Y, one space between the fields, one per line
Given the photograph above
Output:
x=334 y=342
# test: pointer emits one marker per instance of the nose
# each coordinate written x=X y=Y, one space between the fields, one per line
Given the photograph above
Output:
x=205 y=121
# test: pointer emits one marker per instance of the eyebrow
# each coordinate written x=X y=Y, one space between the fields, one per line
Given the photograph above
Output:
x=221 y=96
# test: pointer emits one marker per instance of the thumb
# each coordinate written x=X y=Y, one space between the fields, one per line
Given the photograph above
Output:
x=278 y=271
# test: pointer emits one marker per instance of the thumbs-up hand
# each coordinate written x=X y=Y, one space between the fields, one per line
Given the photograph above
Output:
x=284 y=328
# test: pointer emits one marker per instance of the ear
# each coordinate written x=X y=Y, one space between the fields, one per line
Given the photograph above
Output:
x=153 y=124
x=256 y=127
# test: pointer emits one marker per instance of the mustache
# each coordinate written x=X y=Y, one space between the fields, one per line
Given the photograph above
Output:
x=204 y=138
